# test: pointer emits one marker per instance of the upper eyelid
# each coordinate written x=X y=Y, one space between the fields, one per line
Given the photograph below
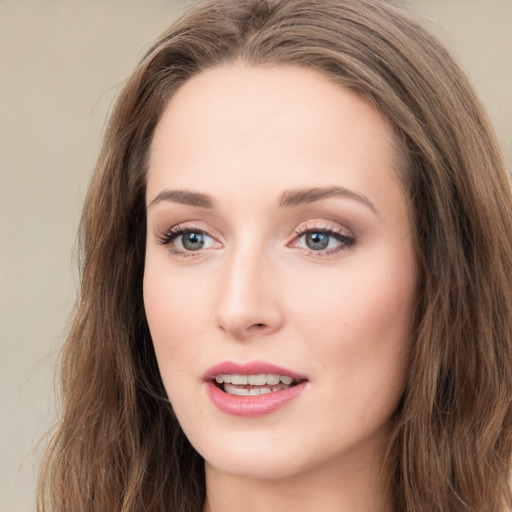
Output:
x=170 y=234
x=168 y=238
x=303 y=227
x=189 y=227
x=344 y=236
x=332 y=232
x=324 y=226
x=328 y=227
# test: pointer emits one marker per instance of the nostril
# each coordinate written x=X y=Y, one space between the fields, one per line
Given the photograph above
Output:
x=259 y=327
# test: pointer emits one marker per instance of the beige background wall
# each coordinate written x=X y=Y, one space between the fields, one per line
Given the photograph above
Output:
x=61 y=63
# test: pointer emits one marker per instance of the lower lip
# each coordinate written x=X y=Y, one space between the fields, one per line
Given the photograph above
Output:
x=257 y=405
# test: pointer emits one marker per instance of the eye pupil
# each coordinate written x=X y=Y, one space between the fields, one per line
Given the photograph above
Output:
x=193 y=241
x=317 y=240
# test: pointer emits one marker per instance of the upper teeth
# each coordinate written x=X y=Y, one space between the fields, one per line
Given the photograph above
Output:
x=254 y=380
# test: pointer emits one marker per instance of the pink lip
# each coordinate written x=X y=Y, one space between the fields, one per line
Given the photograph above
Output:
x=257 y=405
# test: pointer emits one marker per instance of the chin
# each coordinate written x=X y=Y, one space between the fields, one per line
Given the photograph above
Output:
x=256 y=467
x=254 y=459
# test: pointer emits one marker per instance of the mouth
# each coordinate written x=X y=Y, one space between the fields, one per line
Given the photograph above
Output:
x=254 y=384
x=253 y=388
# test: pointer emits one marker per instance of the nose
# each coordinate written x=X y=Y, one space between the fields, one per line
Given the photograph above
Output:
x=249 y=303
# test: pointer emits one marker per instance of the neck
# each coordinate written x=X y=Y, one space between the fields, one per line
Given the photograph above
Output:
x=346 y=487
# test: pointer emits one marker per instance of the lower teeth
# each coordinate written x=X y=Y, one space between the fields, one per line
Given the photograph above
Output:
x=233 y=389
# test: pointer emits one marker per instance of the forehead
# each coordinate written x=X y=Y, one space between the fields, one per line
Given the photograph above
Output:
x=282 y=126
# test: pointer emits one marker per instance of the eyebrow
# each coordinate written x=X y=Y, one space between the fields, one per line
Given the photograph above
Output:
x=310 y=195
x=289 y=198
x=184 y=197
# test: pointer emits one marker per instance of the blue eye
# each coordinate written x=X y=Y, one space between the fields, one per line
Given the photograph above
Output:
x=326 y=241
x=317 y=241
x=182 y=240
x=192 y=241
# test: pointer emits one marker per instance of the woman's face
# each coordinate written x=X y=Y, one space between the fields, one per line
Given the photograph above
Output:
x=278 y=248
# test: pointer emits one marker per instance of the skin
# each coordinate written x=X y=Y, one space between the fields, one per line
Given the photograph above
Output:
x=256 y=291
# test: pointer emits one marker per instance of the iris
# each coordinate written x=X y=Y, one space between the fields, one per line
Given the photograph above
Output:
x=193 y=241
x=317 y=240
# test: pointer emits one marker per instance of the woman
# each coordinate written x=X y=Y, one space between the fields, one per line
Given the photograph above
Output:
x=296 y=276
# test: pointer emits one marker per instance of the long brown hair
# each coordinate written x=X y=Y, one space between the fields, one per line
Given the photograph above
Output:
x=118 y=446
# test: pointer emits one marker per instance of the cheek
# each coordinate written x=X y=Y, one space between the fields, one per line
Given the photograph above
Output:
x=175 y=314
x=175 y=305
x=357 y=322
x=374 y=304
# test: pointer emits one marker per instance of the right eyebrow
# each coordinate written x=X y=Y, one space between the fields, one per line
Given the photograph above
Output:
x=184 y=197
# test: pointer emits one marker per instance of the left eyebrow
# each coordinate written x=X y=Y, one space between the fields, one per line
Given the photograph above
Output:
x=310 y=195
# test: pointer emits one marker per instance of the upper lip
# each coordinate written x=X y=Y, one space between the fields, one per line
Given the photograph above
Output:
x=249 y=368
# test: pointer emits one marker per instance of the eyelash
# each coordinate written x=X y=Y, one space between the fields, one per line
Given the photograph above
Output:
x=172 y=234
x=346 y=242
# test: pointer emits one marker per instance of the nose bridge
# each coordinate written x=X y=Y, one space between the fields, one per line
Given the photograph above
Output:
x=248 y=304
